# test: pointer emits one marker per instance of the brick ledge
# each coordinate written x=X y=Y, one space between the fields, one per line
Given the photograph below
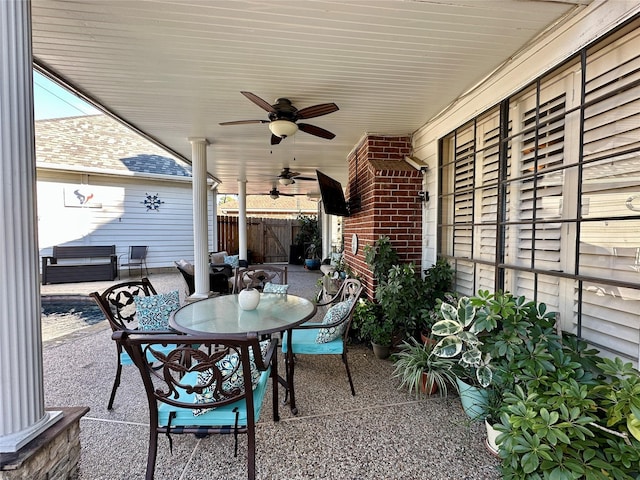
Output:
x=14 y=460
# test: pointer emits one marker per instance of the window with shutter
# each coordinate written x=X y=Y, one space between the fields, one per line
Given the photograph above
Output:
x=550 y=209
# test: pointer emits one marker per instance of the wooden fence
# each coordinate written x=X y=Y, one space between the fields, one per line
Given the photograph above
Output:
x=268 y=239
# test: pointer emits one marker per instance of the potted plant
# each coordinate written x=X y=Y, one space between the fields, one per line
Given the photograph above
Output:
x=422 y=372
x=312 y=262
x=406 y=299
x=308 y=240
x=380 y=257
x=493 y=410
x=400 y=296
x=494 y=333
x=438 y=280
x=459 y=329
x=372 y=327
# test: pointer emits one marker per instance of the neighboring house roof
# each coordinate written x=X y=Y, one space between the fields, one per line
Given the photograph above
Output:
x=100 y=144
x=265 y=206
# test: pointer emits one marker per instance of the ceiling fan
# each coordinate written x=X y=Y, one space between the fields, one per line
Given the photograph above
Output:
x=283 y=117
x=287 y=177
x=275 y=194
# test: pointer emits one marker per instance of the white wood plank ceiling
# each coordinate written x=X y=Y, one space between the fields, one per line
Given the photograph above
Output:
x=175 y=68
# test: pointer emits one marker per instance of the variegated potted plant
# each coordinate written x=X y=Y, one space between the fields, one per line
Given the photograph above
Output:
x=458 y=338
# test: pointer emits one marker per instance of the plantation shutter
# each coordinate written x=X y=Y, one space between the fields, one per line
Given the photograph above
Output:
x=486 y=194
x=463 y=207
x=610 y=240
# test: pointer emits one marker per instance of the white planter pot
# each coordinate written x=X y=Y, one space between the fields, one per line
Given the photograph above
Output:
x=249 y=298
x=492 y=433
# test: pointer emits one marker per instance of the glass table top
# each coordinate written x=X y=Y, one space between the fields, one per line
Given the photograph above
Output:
x=276 y=312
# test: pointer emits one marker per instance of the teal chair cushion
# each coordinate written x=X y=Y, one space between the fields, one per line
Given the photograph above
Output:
x=303 y=341
x=217 y=416
x=231 y=369
x=125 y=359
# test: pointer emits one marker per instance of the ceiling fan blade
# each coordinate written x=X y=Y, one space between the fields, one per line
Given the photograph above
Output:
x=317 y=110
x=259 y=101
x=311 y=179
x=275 y=140
x=317 y=131
x=243 y=122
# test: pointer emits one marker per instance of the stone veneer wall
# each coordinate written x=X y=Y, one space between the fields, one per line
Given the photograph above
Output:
x=53 y=455
x=387 y=188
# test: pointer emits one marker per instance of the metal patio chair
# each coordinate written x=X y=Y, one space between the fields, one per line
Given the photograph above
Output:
x=137 y=258
x=258 y=276
x=218 y=278
x=329 y=337
x=117 y=303
x=203 y=390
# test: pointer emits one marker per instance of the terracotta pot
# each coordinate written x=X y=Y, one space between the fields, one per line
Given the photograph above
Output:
x=425 y=336
x=423 y=386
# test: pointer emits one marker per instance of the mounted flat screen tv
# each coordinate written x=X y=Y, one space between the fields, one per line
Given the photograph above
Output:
x=332 y=195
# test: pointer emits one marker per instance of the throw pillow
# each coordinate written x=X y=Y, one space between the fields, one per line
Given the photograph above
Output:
x=334 y=314
x=233 y=260
x=217 y=258
x=230 y=367
x=186 y=266
x=153 y=311
x=275 y=288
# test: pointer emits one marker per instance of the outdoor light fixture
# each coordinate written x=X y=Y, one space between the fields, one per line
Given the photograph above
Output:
x=423 y=196
x=285 y=181
x=283 y=128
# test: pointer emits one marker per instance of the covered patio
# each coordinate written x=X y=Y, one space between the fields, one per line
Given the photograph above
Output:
x=382 y=432
x=174 y=71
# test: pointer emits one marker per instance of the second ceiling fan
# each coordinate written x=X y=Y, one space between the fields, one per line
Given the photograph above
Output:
x=287 y=177
x=283 y=118
x=275 y=194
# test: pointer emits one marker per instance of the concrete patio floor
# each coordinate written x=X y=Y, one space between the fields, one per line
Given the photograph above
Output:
x=381 y=433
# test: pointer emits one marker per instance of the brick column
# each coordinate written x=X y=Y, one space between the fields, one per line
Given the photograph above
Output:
x=385 y=189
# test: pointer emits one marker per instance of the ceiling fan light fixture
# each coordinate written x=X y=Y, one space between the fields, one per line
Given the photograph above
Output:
x=285 y=181
x=274 y=196
x=283 y=128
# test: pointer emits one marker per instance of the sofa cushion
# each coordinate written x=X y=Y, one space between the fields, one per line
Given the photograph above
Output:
x=186 y=266
x=217 y=258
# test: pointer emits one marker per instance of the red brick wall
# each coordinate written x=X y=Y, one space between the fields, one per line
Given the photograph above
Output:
x=387 y=188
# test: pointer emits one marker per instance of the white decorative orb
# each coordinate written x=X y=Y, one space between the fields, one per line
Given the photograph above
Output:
x=249 y=298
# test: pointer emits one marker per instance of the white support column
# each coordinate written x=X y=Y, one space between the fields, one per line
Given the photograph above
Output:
x=22 y=414
x=327 y=234
x=200 y=217
x=214 y=220
x=242 y=219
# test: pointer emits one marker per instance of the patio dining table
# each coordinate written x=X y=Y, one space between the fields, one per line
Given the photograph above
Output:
x=276 y=313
